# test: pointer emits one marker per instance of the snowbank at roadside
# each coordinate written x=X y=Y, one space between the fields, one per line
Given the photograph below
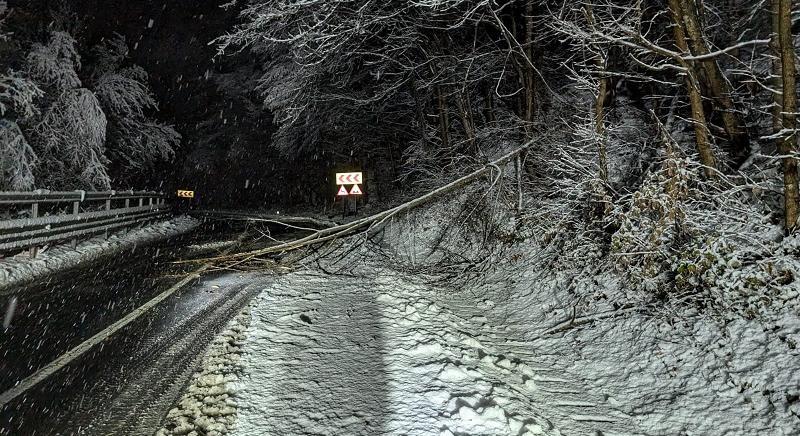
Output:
x=22 y=269
x=207 y=407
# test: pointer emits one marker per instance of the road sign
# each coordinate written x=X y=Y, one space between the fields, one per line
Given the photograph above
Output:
x=349 y=178
x=185 y=194
x=343 y=192
x=355 y=191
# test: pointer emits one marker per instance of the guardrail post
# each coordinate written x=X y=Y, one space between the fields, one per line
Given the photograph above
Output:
x=76 y=210
x=108 y=207
x=34 y=214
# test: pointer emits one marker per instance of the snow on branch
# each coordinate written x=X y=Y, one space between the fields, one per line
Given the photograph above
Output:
x=17 y=158
x=141 y=143
x=74 y=128
x=726 y=50
x=18 y=94
x=56 y=63
x=125 y=93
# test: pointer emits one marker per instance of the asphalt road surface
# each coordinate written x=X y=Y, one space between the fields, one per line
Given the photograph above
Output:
x=125 y=384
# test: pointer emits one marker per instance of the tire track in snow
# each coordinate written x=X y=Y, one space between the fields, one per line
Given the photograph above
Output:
x=552 y=393
x=381 y=354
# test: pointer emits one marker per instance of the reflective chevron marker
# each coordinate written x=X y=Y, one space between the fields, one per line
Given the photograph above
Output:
x=349 y=178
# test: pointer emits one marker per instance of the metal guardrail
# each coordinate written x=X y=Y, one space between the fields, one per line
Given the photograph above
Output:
x=60 y=216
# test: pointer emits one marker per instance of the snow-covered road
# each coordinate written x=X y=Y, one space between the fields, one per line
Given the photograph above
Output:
x=380 y=353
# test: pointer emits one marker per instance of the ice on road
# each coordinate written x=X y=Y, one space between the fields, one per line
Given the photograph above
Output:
x=379 y=353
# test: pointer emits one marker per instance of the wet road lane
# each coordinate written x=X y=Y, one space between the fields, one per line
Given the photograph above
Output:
x=130 y=380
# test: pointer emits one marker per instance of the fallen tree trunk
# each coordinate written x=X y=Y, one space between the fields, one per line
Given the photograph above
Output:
x=287 y=221
x=375 y=222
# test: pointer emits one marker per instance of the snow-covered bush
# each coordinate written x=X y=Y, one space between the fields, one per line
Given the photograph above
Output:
x=652 y=221
x=733 y=277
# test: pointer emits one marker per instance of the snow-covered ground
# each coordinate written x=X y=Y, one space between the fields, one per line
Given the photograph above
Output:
x=402 y=346
x=379 y=352
x=683 y=374
x=22 y=269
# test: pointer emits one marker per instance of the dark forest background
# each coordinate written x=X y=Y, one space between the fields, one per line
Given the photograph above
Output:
x=255 y=103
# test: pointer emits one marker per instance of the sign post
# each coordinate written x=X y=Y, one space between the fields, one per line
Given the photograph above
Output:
x=353 y=179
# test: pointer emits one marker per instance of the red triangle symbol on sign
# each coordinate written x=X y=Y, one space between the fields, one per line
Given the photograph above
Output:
x=356 y=190
x=342 y=192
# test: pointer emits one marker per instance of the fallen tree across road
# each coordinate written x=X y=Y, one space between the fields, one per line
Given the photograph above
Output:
x=375 y=222
x=291 y=222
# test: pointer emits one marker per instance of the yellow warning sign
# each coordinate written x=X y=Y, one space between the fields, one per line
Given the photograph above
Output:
x=185 y=194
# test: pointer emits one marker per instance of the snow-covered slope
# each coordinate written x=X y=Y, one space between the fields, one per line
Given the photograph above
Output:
x=532 y=343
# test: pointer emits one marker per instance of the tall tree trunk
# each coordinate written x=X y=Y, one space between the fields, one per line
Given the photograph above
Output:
x=777 y=70
x=444 y=117
x=718 y=85
x=465 y=113
x=420 y=111
x=600 y=126
x=603 y=91
x=787 y=145
x=700 y=126
x=488 y=101
x=702 y=138
x=530 y=79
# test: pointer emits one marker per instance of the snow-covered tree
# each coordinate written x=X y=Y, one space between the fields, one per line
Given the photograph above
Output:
x=17 y=158
x=73 y=132
x=65 y=124
x=17 y=97
x=334 y=69
x=57 y=62
x=18 y=94
x=69 y=136
x=135 y=140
